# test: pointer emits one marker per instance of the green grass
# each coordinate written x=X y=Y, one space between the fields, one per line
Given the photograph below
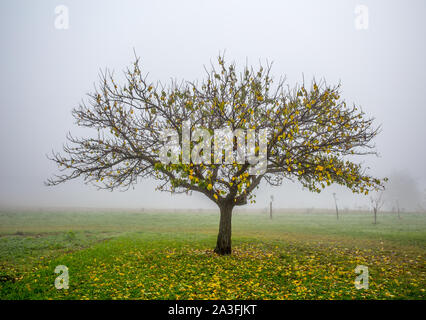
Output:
x=128 y=255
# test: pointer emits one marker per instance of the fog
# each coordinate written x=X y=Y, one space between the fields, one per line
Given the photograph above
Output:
x=46 y=71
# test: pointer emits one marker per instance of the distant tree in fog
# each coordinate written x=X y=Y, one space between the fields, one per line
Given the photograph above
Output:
x=402 y=190
x=376 y=204
x=270 y=206
x=335 y=203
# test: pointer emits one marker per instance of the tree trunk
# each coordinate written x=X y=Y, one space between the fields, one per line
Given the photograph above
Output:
x=375 y=216
x=223 y=245
x=270 y=210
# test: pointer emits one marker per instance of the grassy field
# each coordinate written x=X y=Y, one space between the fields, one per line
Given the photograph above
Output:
x=131 y=255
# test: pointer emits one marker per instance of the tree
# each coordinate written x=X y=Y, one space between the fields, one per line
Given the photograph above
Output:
x=398 y=209
x=377 y=203
x=335 y=203
x=403 y=189
x=311 y=133
x=270 y=207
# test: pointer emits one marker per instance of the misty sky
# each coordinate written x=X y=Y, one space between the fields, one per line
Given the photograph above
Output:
x=45 y=72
